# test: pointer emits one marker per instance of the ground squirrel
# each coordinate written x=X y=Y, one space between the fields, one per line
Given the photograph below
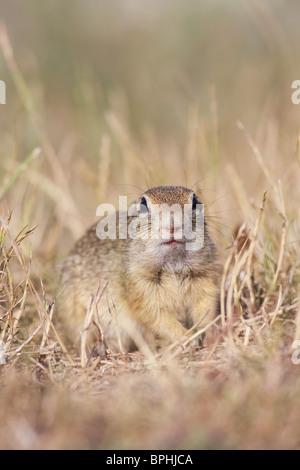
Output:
x=155 y=286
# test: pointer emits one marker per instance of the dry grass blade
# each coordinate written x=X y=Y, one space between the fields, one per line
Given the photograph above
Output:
x=22 y=167
x=63 y=347
x=225 y=276
x=27 y=341
x=47 y=325
x=89 y=318
x=257 y=154
x=279 y=303
x=104 y=168
x=283 y=239
x=251 y=248
x=200 y=332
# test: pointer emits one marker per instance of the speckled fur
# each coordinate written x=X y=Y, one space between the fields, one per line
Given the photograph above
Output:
x=154 y=290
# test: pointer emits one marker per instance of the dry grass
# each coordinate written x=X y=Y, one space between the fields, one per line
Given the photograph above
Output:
x=241 y=390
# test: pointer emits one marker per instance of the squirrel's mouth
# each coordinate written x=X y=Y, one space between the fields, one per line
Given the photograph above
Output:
x=172 y=243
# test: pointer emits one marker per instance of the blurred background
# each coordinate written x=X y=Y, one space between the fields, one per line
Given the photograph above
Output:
x=121 y=95
x=110 y=97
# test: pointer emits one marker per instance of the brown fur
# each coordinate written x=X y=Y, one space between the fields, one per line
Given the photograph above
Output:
x=153 y=290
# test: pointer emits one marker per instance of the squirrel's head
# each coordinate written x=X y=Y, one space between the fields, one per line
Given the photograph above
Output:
x=170 y=220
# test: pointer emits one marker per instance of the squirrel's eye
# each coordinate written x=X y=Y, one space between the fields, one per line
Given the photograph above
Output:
x=195 y=202
x=144 y=202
